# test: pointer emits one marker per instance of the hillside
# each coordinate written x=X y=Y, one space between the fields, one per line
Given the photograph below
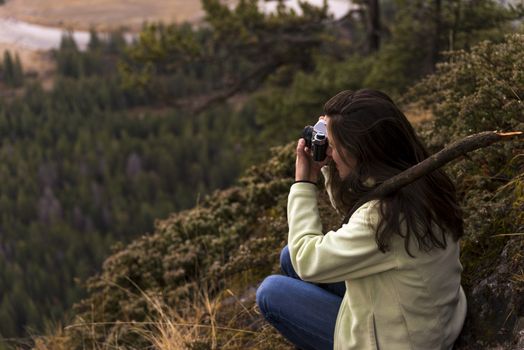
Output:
x=128 y=133
x=191 y=283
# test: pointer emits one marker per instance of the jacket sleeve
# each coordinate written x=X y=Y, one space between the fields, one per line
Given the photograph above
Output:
x=348 y=253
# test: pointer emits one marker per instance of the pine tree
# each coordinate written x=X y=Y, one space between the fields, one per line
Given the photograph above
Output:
x=69 y=59
x=8 y=68
x=242 y=48
x=94 y=41
x=18 y=73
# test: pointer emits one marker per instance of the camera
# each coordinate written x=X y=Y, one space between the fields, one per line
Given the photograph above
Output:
x=316 y=140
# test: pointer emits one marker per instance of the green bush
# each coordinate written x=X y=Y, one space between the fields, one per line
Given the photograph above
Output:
x=472 y=92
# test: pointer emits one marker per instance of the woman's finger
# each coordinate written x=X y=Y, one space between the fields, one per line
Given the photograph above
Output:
x=302 y=164
x=301 y=146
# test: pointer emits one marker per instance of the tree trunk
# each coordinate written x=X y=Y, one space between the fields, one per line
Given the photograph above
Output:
x=438 y=31
x=457 y=5
x=373 y=25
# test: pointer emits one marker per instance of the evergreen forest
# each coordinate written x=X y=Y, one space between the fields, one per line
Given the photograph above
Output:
x=148 y=184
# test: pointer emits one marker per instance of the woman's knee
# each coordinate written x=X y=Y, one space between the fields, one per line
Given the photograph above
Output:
x=268 y=292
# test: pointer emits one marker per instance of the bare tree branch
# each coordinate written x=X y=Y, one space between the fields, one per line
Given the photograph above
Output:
x=197 y=104
x=439 y=159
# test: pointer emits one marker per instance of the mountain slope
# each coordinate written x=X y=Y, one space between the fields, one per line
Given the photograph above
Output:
x=193 y=279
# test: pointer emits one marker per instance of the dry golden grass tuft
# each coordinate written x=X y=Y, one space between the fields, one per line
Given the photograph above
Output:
x=227 y=321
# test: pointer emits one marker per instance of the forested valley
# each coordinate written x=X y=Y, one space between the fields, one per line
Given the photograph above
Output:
x=132 y=134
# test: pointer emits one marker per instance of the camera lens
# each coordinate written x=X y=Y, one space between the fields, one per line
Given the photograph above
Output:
x=307 y=134
x=319 y=147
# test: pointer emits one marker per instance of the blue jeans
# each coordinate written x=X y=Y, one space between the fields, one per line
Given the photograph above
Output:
x=305 y=313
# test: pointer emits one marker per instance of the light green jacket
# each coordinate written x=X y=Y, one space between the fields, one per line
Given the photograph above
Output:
x=392 y=301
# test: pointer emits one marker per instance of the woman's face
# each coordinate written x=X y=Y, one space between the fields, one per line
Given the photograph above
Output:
x=343 y=161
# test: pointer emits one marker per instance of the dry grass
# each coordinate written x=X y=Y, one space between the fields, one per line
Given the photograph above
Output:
x=101 y=14
x=226 y=321
x=58 y=341
x=417 y=115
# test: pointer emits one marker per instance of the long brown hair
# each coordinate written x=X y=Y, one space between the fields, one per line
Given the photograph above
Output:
x=369 y=127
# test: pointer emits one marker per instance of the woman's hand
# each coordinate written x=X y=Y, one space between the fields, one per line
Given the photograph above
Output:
x=306 y=169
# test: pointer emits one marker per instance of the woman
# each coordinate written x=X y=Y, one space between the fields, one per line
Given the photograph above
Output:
x=389 y=278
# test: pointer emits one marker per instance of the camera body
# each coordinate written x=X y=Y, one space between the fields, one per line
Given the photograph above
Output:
x=316 y=140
